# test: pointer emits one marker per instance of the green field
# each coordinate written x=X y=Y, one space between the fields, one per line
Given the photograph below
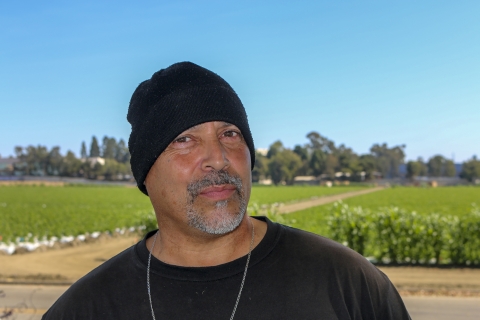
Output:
x=445 y=200
x=73 y=210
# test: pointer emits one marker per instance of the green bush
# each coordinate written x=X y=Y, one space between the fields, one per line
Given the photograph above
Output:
x=393 y=235
x=464 y=239
x=349 y=226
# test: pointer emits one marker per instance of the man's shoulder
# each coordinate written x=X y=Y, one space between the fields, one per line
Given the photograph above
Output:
x=326 y=255
x=97 y=287
x=345 y=276
x=109 y=272
x=305 y=242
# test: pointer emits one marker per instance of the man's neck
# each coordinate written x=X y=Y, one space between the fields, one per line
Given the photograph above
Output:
x=201 y=250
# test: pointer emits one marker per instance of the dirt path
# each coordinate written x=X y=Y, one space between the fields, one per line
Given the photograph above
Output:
x=426 y=281
x=324 y=200
x=62 y=266
x=67 y=265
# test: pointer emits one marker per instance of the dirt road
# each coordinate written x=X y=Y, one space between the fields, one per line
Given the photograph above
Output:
x=324 y=200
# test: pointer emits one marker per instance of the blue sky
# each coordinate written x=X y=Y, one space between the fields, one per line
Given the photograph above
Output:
x=358 y=72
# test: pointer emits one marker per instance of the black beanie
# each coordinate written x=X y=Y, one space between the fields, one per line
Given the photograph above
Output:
x=172 y=101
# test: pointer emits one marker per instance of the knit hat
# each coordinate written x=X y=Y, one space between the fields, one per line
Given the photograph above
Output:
x=172 y=101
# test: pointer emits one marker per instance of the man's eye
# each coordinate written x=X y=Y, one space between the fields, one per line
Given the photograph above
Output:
x=231 y=134
x=182 y=139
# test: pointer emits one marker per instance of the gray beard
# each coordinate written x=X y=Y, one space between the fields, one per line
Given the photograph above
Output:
x=219 y=221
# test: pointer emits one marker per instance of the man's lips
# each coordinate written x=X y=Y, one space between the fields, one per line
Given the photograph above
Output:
x=218 y=193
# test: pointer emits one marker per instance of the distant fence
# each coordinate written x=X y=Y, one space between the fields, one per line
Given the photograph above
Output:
x=418 y=181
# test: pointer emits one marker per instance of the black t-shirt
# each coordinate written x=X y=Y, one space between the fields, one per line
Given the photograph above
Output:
x=293 y=274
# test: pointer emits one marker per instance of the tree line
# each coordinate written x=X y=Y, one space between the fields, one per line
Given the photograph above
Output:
x=109 y=160
x=322 y=158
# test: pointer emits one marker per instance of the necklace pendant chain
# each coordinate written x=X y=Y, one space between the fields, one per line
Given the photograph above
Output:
x=241 y=285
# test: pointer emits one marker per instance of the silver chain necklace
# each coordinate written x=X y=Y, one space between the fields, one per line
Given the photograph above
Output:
x=241 y=286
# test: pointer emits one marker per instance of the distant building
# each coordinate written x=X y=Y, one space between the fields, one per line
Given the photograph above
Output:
x=310 y=180
x=262 y=151
x=266 y=182
x=94 y=160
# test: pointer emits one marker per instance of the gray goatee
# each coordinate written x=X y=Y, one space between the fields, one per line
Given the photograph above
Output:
x=219 y=220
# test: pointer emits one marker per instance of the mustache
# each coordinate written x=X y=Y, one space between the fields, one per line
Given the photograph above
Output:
x=212 y=179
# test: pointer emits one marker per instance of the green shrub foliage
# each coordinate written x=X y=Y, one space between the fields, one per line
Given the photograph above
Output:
x=393 y=235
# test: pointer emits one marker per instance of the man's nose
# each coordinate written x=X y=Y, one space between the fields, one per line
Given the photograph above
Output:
x=215 y=156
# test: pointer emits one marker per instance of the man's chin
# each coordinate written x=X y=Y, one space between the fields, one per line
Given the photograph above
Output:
x=221 y=218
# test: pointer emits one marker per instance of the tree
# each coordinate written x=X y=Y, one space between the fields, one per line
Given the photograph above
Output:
x=347 y=160
x=449 y=169
x=109 y=148
x=94 y=148
x=36 y=159
x=388 y=159
x=318 y=162
x=122 y=154
x=471 y=169
x=283 y=166
x=416 y=168
x=319 y=142
x=83 y=151
x=20 y=166
x=367 y=164
x=19 y=152
x=438 y=166
x=275 y=148
x=54 y=162
x=331 y=164
x=304 y=154
x=260 y=169
x=72 y=167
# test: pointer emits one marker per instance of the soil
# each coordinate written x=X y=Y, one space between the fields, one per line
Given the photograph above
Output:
x=61 y=266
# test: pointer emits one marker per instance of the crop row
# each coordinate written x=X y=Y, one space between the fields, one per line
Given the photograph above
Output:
x=394 y=235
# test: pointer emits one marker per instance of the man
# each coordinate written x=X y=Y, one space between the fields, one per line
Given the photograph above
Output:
x=192 y=153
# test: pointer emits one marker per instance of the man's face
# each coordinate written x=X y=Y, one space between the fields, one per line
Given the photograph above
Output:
x=202 y=180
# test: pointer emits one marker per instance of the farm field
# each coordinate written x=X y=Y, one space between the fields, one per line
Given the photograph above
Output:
x=55 y=211
x=72 y=210
x=443 y=200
